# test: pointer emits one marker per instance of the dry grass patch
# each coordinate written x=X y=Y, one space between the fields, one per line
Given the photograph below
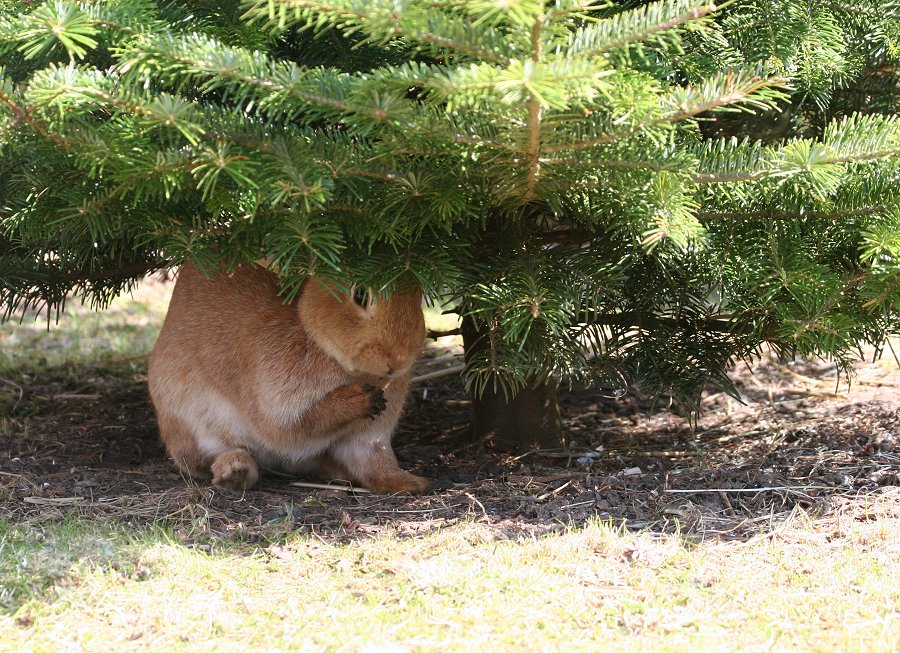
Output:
x=126 y=330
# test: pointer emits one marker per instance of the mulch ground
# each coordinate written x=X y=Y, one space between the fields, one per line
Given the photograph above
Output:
x=84 y=440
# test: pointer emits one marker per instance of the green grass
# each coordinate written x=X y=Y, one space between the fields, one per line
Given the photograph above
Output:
x=127 y=329
x=96 y=586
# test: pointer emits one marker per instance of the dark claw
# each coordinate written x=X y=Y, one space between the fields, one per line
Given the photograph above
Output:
x=379 y=401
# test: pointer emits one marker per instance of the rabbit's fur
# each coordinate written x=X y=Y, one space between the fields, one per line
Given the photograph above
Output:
x=241 y=379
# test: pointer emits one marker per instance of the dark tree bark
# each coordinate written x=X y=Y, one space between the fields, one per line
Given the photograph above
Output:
x=528 y=420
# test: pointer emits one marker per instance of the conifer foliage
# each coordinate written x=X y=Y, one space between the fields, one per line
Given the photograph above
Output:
x=612 y=192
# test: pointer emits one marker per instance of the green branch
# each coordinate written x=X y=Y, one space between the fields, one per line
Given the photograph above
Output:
x=726 y=89
x=650 y=322
x=318 y=15
x=636 y=25
x=747 y=175
x=532 y=154
x=85 y=276
x=789 y=215
x=22 y=114
x=269 y=8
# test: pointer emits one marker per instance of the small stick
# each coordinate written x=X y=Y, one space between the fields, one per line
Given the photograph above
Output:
x=484 y=514
x=810 y=393
x=54 y=501
x=129 y=359
x=787 y=488
x=801 y=377
x=728 y=507
x=77 y=396
x=525 y=478
x=456 y=369
x=547 y=453
x=330 y=486
x=576 y=505
x=21 y=393
x=434 y=335
x=430 y=362
x=547 y=495
x=408 y=512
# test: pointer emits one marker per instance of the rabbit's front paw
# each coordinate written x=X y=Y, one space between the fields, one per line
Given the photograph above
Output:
x=378 y=402
x=358 y=401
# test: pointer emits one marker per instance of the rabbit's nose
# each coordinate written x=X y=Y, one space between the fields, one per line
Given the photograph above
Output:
x=394 y=363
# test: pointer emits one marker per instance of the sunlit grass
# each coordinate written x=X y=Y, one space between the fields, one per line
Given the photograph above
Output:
x=460 y=588
x=127 y=329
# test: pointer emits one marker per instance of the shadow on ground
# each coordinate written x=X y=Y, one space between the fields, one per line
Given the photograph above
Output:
x=83 y=440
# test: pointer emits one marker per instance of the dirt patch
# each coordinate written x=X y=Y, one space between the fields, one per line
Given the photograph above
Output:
x=84 y=439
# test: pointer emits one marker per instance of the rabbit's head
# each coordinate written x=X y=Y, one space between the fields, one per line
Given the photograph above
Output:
x=367 y=335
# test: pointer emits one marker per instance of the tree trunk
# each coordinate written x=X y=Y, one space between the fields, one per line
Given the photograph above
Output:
x=528 y=420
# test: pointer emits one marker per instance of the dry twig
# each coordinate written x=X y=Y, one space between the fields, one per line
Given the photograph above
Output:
x=456 y=369
x=16 y=386
x=331 y=486
x=784 y=488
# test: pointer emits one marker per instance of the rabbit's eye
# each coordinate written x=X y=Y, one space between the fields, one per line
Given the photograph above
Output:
x=361 y=296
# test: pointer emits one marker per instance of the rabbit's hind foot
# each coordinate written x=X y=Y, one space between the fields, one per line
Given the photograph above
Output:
x=398 y=482
x=235 y=469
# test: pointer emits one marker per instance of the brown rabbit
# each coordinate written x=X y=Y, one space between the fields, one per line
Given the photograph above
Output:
x=240 y=379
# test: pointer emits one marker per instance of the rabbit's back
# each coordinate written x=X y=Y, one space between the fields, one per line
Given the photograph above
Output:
x=230 y=350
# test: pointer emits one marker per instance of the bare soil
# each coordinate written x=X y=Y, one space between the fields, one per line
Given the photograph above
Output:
x=84 y=440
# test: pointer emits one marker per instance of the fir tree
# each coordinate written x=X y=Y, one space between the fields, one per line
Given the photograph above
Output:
x=609 y=193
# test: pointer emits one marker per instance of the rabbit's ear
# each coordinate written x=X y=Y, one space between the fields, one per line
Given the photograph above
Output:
x=268 y=264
